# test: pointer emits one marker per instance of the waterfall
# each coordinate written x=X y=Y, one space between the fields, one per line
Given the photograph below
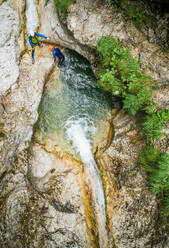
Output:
x=77 y=135
x=77 y=132
x=31 y=16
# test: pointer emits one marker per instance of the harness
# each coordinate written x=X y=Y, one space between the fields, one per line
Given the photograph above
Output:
x=34 y=40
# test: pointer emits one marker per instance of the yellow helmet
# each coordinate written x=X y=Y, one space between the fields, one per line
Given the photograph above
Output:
x=50 y=48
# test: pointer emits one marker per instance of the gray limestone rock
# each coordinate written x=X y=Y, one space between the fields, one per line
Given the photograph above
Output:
x=9 y=58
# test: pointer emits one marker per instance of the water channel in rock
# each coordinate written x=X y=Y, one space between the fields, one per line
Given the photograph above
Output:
x=72 y=117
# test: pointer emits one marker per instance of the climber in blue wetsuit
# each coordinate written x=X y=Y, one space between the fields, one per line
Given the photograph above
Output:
x=56 y=51
x=34 y=41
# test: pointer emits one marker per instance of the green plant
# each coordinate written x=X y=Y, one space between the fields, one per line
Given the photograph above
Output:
x=62 y=6
x=154 y=122
x=159 y=178
x=148 y=158
x=132 y=103
x=134 y=13
x=156 y=165
x=118 y=3
x=115 y=2
x=122 y=76
x=3 y=1
x=132 y=174
x=150 y=21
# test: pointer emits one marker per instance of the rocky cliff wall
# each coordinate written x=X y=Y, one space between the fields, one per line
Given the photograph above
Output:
x=44 y=201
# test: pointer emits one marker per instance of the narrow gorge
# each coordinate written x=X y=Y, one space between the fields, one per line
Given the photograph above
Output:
x=69 y=170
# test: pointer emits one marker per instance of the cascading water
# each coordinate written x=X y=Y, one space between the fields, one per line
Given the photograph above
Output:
x=76 y=133
x=69 y=117
x=31 y=16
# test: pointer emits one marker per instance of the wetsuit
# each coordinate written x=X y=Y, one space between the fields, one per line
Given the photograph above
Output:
x=57 y=53
x=33 y=41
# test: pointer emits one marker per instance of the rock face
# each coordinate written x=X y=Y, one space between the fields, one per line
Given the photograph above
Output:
x=131 y=208
x=61 y=181
x=81 y=21
x=151 y=17
x=9 y=26
x=57 y=31
x=44 y=199
x=21 y=106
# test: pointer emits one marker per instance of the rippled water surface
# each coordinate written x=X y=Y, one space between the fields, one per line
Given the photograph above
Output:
x=72 y=110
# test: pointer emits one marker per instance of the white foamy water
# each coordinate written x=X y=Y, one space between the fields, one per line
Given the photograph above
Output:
x=31 y=16
x=77 y=132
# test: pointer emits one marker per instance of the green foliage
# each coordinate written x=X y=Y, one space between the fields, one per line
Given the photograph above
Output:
x=131 y=102
x=115 y=2
x=150 y=21
x=106 y=47
x=109 y=81
x=118 y=3
x=62 y=6
x=123 y=77
x=148 y=158
x=159 y=178
x=134 y=14
x=156 y=165
x=130 y=11
x=154 y=122
x=3 y=1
